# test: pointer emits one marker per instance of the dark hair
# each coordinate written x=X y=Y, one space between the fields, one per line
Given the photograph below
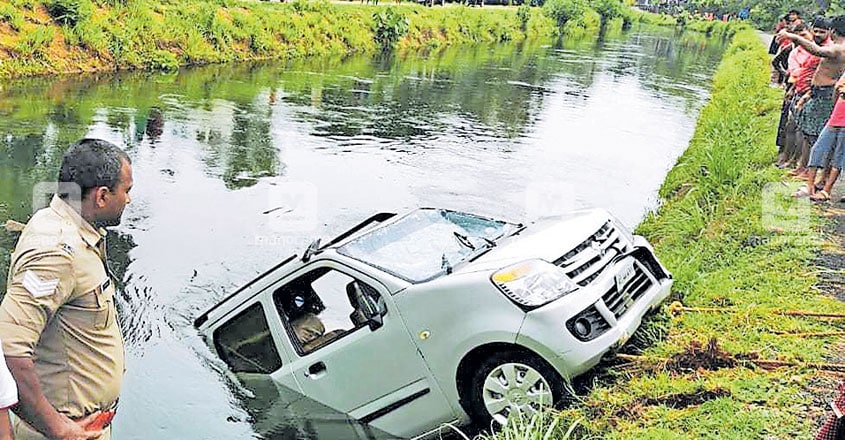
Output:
x=838 y=25
x=92 y=163
x=821 y=22
x=793 y=11
x=800 y=27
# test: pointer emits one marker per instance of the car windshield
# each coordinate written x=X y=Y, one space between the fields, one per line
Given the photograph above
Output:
x=426 y=243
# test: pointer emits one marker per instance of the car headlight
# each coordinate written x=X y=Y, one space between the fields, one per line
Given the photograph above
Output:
x=623 y=230
x=533 y=283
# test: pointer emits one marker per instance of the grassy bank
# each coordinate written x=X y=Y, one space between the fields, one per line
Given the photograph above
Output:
x=56 y=36
x=64 y=36
x=735 y=243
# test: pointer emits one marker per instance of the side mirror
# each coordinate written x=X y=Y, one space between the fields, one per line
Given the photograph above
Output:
x=375 y=322
x=367 y=302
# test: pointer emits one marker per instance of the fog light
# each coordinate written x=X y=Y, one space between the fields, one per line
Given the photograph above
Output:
x=582 y=327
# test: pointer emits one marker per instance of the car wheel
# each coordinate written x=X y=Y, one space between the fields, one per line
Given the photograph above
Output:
x=512 y=383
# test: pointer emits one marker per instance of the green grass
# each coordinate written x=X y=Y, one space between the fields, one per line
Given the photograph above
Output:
x=11 y=15
x=717 y=235
x=544 y=425
x=147 y=34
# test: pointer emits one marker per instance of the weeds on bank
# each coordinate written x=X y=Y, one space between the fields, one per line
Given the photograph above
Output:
x=543 y=425
x=143 y=34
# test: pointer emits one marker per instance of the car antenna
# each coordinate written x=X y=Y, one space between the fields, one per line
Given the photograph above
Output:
x=313 y=248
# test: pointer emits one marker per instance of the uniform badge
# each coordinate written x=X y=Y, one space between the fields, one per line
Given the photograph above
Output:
x=38 y=287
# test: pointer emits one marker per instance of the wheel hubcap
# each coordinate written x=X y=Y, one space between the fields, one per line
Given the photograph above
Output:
x=513 y=389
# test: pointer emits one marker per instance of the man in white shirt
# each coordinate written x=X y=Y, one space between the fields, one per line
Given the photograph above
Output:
x=8 y=398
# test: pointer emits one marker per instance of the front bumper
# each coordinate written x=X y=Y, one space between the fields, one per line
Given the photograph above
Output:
x=545 y=329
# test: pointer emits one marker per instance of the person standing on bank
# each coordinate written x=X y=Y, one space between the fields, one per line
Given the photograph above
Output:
x=58 y=322
x=8 y=399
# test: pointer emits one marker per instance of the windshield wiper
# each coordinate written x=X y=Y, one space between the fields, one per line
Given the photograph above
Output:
x=464 y=240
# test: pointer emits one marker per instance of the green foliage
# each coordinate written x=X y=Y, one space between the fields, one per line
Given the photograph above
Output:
x=162 y=60
x=69 y=12
x=91 y=36
x=388 y=26
x=128 y=34
x=563 y=11
x=523 y=14
x=10 y=14
x=25 y=4
x=543 y=425
x=765 y=13
x=36 y=43
x=609 y=9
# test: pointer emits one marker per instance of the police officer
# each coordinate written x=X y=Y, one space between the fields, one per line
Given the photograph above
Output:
x=58 y=320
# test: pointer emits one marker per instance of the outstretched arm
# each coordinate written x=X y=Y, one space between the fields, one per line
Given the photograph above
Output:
x=809 y=45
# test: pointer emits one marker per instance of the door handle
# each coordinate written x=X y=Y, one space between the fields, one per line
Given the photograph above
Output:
x=315 y=371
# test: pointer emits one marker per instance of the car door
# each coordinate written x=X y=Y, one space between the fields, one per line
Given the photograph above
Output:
x=251 y=342
x=374 y=372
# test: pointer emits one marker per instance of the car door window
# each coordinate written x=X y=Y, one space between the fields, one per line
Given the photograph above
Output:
x=323 y=306
x=245 y=343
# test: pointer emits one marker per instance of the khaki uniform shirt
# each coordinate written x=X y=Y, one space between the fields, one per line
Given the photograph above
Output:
x=59 y=309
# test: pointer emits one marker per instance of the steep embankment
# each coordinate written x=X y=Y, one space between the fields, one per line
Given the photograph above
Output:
x=62 y=36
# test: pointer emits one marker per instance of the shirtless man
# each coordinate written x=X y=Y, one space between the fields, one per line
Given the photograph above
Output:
x=802 y=69
x=816 y=109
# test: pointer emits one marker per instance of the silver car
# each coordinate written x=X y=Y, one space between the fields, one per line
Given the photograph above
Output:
x=404 y=323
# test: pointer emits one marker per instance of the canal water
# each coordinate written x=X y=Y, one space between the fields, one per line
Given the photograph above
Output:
x=237 y=167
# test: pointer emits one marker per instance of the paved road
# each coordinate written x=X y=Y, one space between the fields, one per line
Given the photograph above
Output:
x=765 y=37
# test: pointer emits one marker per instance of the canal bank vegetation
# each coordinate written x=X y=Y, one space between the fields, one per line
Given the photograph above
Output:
x=64 y=36
x=737 y=351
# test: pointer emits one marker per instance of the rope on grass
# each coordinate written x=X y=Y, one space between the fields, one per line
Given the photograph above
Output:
x=768 y=364
x=676 y=308
x=810 y=334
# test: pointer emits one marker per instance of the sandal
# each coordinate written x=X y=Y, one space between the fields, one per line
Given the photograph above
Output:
x=820 y=197
x=803 y=191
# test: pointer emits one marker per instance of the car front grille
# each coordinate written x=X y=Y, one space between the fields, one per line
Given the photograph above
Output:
x=586 y=261
x=620 y=301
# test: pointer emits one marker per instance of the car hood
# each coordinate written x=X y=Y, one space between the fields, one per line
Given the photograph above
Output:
x=548 y=239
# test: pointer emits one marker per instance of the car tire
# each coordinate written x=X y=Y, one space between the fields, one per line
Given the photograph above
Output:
x=511 y=380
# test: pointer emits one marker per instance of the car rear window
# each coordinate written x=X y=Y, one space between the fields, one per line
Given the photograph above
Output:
x=245 y=343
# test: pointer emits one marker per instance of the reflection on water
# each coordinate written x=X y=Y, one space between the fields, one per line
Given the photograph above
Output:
x=508 y=131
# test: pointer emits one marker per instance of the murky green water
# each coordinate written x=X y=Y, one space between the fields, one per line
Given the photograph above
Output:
x=508 y=131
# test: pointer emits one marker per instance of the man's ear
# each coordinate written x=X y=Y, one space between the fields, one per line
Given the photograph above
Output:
x=99 y=194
